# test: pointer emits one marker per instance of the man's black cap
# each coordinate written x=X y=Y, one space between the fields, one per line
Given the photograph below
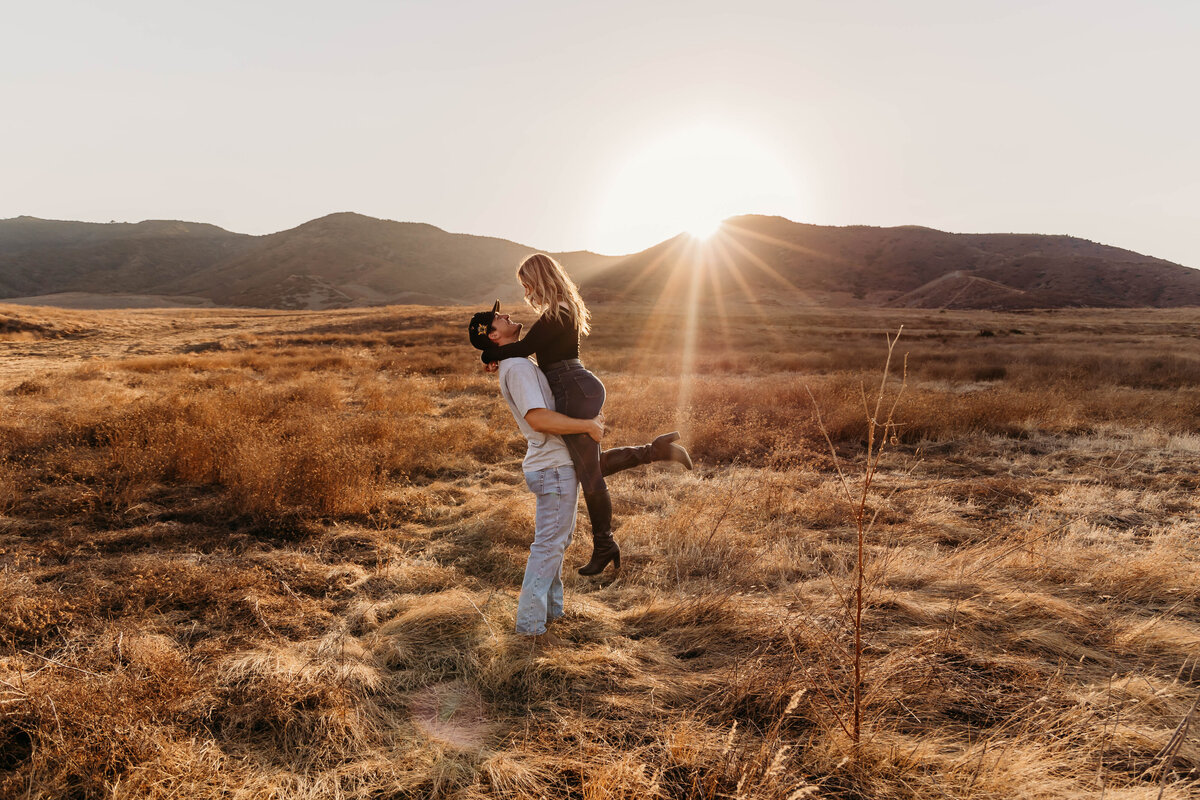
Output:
x=478 y=329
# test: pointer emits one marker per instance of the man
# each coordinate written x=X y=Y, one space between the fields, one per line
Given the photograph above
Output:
x=548 y=470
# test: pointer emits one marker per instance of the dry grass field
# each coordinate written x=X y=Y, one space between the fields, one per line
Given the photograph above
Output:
x=276 y=555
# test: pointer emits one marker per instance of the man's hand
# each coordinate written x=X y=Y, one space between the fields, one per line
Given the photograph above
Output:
x=595 y=428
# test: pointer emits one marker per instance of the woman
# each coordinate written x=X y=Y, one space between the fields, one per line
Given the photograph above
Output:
x=554 y=339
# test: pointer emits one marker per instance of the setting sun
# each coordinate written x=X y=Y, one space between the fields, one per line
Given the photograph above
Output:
x=689 y=180
x=703 y=228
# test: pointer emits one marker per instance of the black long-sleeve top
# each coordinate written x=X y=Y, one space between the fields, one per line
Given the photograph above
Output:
x=549 y=339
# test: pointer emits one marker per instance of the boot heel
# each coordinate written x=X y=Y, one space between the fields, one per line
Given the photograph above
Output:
x=605 y=550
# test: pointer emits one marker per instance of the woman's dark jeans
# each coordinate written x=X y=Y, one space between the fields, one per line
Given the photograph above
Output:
x=580 y=394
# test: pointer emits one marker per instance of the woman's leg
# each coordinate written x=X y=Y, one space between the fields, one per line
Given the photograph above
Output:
x=586 y=451
x=580 y=394
x=663 y=448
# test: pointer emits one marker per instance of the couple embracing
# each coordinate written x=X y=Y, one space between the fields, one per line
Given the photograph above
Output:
x=557 y=406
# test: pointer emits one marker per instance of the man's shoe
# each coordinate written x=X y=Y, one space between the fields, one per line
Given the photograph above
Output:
x=663 y=448
x=604 y=550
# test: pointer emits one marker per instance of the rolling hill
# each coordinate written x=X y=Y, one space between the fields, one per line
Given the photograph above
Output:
x=336 y=261
x=39 y=256
x=345 y=260
x=910 y=266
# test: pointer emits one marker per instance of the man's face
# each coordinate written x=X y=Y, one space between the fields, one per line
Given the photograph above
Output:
x=504 y=330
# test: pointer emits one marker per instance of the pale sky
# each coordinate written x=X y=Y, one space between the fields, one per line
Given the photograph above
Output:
x=610 y=125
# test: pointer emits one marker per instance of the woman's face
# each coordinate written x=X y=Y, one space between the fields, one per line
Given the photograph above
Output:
x=527 y=288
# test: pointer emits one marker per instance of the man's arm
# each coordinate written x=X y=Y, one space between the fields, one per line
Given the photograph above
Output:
x=543 y=420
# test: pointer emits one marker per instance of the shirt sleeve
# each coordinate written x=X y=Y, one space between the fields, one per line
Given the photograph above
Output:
x=524 y=389
x=540 y=334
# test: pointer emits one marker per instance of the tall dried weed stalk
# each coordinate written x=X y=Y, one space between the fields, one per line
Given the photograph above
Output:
x=881 y=432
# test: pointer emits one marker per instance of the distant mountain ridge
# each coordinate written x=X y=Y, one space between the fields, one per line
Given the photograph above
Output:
x=357 y=260
x=906 y=266
x=346 y=259
x=40 y=256
x=22 y=233
x=336 y=261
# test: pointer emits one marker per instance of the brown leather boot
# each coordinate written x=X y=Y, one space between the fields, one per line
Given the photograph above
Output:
x=604 y=550
x=663 y=448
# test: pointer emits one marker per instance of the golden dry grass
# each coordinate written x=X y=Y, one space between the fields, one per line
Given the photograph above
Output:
x=256 y=554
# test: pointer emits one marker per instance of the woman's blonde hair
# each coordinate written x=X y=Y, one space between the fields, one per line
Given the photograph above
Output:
x=550 y=290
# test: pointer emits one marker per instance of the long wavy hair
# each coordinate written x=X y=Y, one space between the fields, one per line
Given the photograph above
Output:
x=549 y=290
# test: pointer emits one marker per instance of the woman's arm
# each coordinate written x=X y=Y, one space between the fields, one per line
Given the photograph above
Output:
x=539 y=335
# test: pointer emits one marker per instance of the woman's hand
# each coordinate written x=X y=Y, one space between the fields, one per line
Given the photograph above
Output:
x=492 y=367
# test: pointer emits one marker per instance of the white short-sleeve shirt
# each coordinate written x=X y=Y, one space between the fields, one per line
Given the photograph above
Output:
x=524 y=387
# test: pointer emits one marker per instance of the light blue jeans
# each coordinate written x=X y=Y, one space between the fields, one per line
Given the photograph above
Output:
x=541 y=600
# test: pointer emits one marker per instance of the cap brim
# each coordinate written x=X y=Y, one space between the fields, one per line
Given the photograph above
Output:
x=496 y=308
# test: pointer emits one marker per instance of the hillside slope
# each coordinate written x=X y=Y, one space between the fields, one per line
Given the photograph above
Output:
x=39 y=256
x=909 y=266
x=351 y=260
x=335 y=261
x=347 y=260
